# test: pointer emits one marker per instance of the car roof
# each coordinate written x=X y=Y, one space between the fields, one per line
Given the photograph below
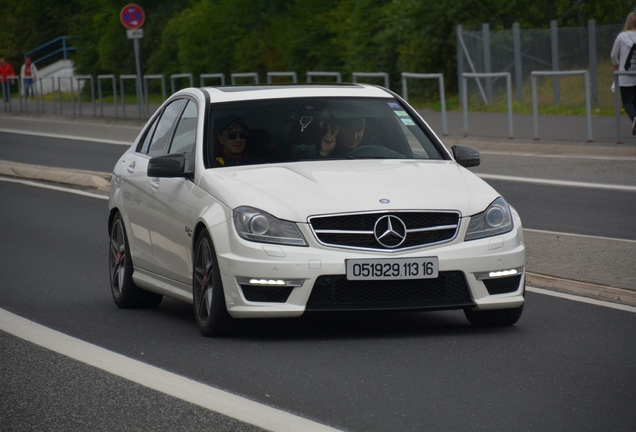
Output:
x=256 y=92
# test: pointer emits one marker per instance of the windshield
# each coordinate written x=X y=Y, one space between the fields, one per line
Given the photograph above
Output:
x=290 y=130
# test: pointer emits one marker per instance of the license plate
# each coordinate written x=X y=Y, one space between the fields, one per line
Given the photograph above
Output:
x=392 y=268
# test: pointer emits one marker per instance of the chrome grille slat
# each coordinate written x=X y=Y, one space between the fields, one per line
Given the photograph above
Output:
x=356 y=230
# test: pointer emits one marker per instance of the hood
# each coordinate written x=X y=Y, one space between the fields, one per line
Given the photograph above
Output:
x=295 y=191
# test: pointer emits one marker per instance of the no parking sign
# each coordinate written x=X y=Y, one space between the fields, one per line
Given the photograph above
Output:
x=132 y=16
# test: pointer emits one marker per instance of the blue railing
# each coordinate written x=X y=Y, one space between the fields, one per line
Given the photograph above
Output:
x=50 y=49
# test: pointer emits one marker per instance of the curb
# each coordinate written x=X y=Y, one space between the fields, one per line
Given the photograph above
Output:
x=583 y=289
x=78 y=178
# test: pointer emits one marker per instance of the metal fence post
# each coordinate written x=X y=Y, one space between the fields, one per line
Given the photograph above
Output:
x=442 y=95
x=336 y=75
x=384 y=75
x=163 y=90
x=123 y=96
x=555 y=75
x=593 y=59
x=554 y=37
x=79 y=79
x=213 y=75
x=460 y=57
x=99 y=93
x=485 y=30
x=508 y=92
x=181 y=75
x=253 y=75
x=516 y=38
x=292 y=75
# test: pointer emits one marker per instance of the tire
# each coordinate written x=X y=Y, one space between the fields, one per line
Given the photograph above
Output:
x=125 y=293
x=495 y=317
x=210 y=311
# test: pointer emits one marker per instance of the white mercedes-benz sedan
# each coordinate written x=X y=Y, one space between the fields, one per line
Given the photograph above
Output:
x=277 y=201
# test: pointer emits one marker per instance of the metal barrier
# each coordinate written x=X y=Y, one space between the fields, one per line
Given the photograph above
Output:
x=181 y=75
x=99 y=92
x=383 y=75
x=617 y=92
x=271 y=75
x=163 y=89
x=36 y=96
x=59 y=92
x=79 y=79
x=42 y=92
x=213 y=75
x=336 y=75
x=442 y=94
x=508 y=91
x=6 y=98
x=122 y=78
x=588 y=105
x=252 y=75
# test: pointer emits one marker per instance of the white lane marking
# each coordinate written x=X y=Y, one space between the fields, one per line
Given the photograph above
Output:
x=157 y=379
x=579 y=235
x=44 y=120
x=561 y=156
x=54 y=187
x=579 y=299
x=68 y=137
x=548 y=182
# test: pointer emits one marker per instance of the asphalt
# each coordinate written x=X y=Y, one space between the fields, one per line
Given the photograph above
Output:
x=607 y=274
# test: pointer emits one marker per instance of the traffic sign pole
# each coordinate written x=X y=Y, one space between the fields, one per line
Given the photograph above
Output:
x=142 y=114
x=133 y=17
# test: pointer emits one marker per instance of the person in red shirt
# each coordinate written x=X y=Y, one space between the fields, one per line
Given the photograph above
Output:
x=6 y=73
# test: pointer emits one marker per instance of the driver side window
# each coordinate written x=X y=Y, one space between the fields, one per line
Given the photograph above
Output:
x=185 y=135
x=161 y=135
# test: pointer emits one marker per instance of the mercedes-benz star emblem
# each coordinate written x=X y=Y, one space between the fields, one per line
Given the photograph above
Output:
x=390 y=231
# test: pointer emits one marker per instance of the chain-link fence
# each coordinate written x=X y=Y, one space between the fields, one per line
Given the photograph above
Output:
x=522 y=51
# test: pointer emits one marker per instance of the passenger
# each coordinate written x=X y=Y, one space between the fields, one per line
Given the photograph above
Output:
x=233 y=138
x=341 y=136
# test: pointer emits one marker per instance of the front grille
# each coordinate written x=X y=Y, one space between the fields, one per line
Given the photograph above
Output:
x=503 y=285
x=266 y=294
x=448 y=291
x=365 y=230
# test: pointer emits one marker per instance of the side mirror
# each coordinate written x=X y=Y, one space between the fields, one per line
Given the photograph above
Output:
x=466 y=156
x=169 y=165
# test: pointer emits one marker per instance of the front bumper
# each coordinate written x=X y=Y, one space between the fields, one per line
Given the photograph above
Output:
x=285 y=281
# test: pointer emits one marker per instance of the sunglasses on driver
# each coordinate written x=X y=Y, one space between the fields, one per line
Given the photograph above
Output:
x=232 y=135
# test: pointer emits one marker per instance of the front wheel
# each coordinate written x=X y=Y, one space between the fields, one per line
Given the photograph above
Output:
x=125 y=293
x=210 y=312
x=495 y=317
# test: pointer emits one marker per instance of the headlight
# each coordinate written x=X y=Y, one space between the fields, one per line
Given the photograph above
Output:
x=497 y=219
x=256 y=225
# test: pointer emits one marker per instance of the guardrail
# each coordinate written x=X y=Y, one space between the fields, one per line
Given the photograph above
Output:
x=75 y=84
x=487 y=75
x=442 y=94
x=588 y=105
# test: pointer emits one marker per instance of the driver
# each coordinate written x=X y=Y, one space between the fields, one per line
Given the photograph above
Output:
x=341 y=136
